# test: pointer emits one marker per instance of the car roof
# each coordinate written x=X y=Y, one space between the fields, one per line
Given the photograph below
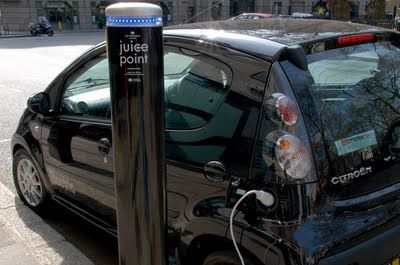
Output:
x=266 y=38
x=258 y=47
x=286 y=31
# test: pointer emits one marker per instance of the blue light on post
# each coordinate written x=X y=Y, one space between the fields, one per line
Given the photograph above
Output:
x=127 y=21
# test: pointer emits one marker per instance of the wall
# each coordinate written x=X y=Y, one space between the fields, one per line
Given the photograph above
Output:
x=17 y=14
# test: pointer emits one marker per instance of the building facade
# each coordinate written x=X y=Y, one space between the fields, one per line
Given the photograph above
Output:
x=89 y=14
x=357 y=7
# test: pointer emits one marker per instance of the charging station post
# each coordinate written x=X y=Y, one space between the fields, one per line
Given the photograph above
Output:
x=135 y=54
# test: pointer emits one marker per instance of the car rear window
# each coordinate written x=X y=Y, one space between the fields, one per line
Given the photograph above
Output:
x=350 y=99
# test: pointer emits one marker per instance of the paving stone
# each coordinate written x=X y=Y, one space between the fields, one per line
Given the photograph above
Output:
x=16 y=254
x=25 y=239
x=20 y=216
x=60 y=253
x=36 y=235
x=7 y=198
x=5 y=238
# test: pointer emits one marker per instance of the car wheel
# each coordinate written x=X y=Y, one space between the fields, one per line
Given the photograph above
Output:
x=224 y=258
x=28 y=181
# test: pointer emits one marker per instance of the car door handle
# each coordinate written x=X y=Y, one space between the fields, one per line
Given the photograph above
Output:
x=215 y=171
x=104 y=146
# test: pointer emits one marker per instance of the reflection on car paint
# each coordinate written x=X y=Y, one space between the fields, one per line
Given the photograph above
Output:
x=60 y=181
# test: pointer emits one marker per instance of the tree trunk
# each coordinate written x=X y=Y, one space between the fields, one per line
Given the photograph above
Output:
x=376 y=9
x=339 y=9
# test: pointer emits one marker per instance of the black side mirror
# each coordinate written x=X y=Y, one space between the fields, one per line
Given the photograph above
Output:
x=215 y=171
x=39 y=103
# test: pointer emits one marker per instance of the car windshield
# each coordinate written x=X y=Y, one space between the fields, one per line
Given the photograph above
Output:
x=355 y=111
x=92 y=76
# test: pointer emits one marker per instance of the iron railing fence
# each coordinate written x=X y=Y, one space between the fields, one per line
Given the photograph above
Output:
x=383 y=23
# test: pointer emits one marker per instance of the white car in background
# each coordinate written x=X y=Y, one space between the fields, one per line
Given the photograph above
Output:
x=302 y=15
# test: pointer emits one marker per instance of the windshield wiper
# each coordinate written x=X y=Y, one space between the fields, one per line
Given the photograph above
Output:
x=89 y=82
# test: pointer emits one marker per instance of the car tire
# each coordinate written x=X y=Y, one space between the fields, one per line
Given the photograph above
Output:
x=224 y=258
x=28 y=181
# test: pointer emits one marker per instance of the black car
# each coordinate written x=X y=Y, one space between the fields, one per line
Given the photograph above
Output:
x=306 y=110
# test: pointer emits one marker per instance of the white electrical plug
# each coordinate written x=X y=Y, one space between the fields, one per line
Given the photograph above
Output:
x=265 y=197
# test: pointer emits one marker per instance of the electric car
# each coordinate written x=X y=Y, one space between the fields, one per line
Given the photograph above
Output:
x=306 y=111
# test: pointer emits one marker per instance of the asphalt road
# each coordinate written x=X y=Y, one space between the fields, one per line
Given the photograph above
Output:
x=27 y=66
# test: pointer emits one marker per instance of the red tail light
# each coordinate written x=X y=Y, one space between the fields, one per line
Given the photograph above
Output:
x=287 y=110
x=355 y=39
x=282 y=109
x=293 y=156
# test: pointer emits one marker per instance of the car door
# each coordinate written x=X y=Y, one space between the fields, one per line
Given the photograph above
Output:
x=196 y=86
x=212 y=102
x=77 y=146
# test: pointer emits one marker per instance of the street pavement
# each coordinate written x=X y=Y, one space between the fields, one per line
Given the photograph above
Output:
x=26 y=239
x=15 y=34
x=27 y=66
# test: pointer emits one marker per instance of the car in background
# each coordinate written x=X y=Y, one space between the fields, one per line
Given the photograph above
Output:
x=254 y=16
x=304 y=110
x=302 y=15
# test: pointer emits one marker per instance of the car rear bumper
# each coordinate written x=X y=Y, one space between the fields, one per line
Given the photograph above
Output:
x=375 y=251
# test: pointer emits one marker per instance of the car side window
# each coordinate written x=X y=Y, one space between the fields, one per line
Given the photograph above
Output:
x=195 y=88
x=86 y=92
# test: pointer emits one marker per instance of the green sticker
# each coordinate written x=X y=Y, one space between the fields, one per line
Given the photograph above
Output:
x=356 y=142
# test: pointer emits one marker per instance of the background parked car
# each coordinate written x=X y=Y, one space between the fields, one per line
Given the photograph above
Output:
x=302 y=15
x=253 y=16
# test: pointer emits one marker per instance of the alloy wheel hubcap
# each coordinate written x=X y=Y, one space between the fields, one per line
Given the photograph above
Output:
x=29 y=182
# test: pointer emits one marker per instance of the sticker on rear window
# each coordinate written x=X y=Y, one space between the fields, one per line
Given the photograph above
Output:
x=355 y=142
